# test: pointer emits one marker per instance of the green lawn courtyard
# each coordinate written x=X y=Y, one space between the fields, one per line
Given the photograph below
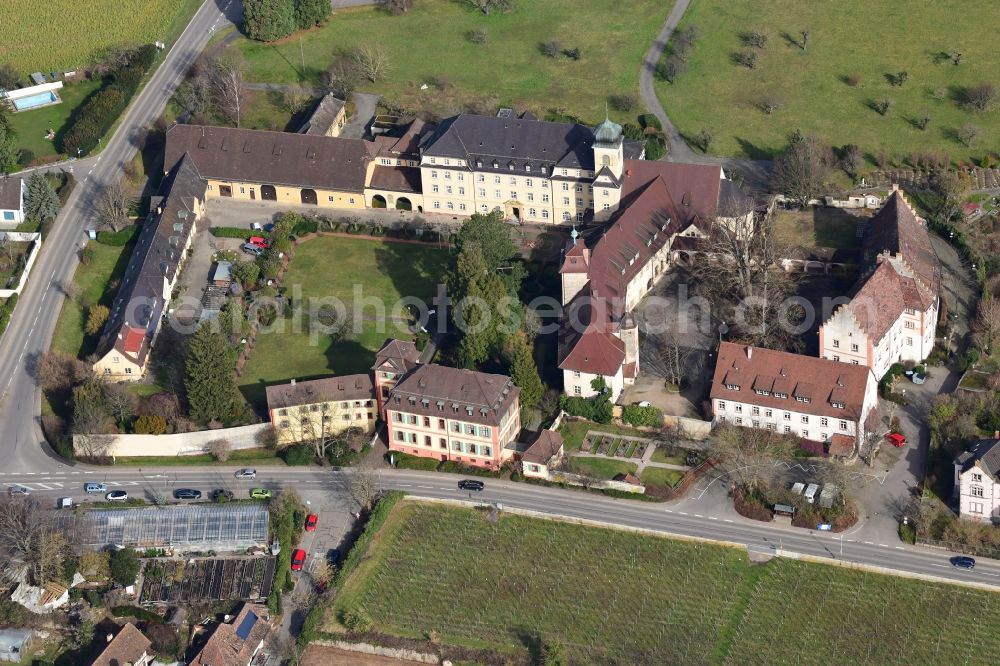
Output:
x=332 y=268
x=429 y=44
x=812 y=87
x=660 y=601
x=32 y=126
x=601 y=468
x=818 y=226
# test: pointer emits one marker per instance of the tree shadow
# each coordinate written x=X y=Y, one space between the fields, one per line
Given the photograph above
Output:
x=754 y=151
x=792 y=41
x=531 y=640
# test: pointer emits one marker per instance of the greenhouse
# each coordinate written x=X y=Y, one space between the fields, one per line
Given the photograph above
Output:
x=219 y=527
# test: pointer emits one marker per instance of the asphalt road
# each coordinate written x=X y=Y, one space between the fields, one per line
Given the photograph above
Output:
x=30 y=330
x=666 y=518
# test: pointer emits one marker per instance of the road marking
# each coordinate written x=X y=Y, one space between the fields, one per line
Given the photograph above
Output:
x=943 y=566
x=669 y=510
x=683 y=513
x=698 y=515
x=726 y=520
x=426 y=487
x=985 y=573
x=900 y=548
x=883 y=545
x=44 y=486
x=406 y=485
x=712 y=518
x=868 y=543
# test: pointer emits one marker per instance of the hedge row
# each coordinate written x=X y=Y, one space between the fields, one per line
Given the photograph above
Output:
x=642 y=416
x=117 y=238
x=235 y=232
x=376 y=519
x=136 y=612
x=97 y=116
x=6 y=310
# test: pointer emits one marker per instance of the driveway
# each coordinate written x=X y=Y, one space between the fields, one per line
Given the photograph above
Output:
x=364 y=111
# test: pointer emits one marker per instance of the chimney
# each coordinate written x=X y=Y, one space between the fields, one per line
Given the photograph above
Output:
x=749 y=352
x=293 y=382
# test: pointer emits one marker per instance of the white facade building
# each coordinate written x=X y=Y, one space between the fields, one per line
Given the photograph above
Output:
x=977 y=480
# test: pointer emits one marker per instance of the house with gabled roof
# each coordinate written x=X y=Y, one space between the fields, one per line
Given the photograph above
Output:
x=13 y=194
x=238 y=642
x=152 y=272
x=812 y=398
x=977 y=480
x=128 y=646
x=321 y=408
x=892 y=315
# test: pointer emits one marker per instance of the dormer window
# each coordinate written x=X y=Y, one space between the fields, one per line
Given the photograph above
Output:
x=803 y=399
x=838 y=405
x=510 y=166
x=527 y=167
x=783 y=396
x=762 y=392
x=496 y=165
x=479 y=163
x=733 y=387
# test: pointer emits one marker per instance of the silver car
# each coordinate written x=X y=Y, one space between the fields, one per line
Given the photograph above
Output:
x=246 y=473
x=96 y=488
x=18 y=490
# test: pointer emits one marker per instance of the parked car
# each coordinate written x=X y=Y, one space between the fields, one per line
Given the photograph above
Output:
x=269 y=227
x=218 y=495
x=645 y=403
x=116 y=496
x=797 y=488
x=261 y=493
x=333 y=556
x=256 y=226
x=65 y=502
x=96 y=487
x=896 y=439
x=18 y=490
x=259 y=241
x=311 y=521
x=298 y=559
x=187 y=493
x=963 y=562
x=246 y=473
x=471 y=484
x=918 y=378
x=811 y=491
x=250 y=248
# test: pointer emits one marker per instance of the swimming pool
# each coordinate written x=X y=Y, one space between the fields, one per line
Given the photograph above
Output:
x=41 y=99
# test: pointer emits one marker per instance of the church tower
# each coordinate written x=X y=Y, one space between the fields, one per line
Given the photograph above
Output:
x=609 y=164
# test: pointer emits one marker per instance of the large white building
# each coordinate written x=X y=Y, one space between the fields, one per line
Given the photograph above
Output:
x=892 y=317
x=977 y=480
x=603 y=283
x=811 y=398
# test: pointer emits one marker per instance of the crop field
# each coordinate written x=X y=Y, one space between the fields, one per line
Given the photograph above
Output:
x=815 y=88
x=430 y=45
x=332 y=268
x=63 y=35
x=178 y=581
x=499 y=585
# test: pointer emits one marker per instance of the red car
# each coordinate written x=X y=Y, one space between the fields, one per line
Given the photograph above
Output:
x=896 y=439
x=311 y=521
x=298 y=559
x=259 y=241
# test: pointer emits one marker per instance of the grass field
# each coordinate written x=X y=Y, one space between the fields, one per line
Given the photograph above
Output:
x=602 y=468
x=63 y=35
x=574 y=430
x=819 y=226
x=430 y=41
x=332 y=267
x=659 y=601
x=108 y=263
x=869 y=38
x=657 y=476
x=256 y=456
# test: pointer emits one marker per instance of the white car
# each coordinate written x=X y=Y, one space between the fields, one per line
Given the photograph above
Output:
x=116 y=496
x=246 y=473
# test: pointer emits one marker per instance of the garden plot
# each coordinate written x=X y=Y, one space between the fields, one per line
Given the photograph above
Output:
x=178 y=581
x=615 y=446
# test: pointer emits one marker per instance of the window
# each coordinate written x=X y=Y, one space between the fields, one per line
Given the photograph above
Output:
x=805 y=419
x=579 y=217
x=909 y=342
x=496 y=180
x=787 y=416
x=975 y=507
x=442 y=443
x=739 y=421
x=824 y=421
x=482 y=192
x=722 y=404
x=732 y=387
x=976 y=491
x=767 y=413
x=531 y=196
x=854 y=348
x=513 y=194
x=606 y=207
x=805 y=433
x=461 y=190
x=434 y=189
x=739 y=409
x=579 y=201
x=434 y=174
x=755 y=411
x=908 y=324
x=329 y=198
x=565 y=187
x=242 y=191
x=461 y=206
x=545 y=214
x=437 y=204
x=448 y=189
x=545 y=198
x=427 y=440
x=977 y=477
x=576 y=373
x=836 y=357
x=496 y=194
x=451 y=206
x=531 y=212
x=513 y=180
x=843 y=425
x=447 y=175
x=481 y=178
x=565 y=201
x=836 y=344
x=566 y=216
x=579 y=187
x=128 y=371
x=577 y=391
x=788 y=429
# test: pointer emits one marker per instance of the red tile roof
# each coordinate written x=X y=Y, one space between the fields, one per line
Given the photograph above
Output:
x=134 y=338
x=401 y=355
x=897 y=230
x=227 y=647
x=437 y=390
x=125 y=648
x=819 y=381
x=328 y=389
x=548 y=445
x=841 y=445
x=396 y=179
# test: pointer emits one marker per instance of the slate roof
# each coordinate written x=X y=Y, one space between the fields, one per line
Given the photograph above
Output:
x=227 y=647
x=125 y=648
x=820 y=381
x=10 y=193
x=328 y=389
x=276 y=158
x=403 y=144
x=587 y=342
x=512 y=142
x=548 y=445
x=986 y=452
x=896 y=229
x=323 y=116
x=139 y=304
x=396 y=179
x=437 y=390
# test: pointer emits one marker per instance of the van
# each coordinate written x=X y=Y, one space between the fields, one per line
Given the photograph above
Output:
x=797 y=488
x=811 y=490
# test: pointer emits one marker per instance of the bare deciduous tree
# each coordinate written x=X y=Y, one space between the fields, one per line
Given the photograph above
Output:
x=373 y=61
x=674 y=357
x=802 y=170
x=26 y=533
x=364 y=484
x=748 y=453
x=487 y=6
x=114 y=205
x=227 y=76
x=987 y=327
x=396 y=7
x=950 y=190
x=57 y=371
x=295 y=98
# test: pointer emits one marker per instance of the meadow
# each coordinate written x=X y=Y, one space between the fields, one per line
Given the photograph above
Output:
x=330 y=266
x=430 y=45
x=814 y=89
x=513 y=584
x=63 y=35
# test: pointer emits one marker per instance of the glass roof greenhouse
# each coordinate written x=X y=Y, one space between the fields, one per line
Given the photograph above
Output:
x=195 y=527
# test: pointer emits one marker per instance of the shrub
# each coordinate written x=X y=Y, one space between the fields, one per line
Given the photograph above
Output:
x=136 y=612
x=406 y=461
x=642 y=416
x=6 y=310
x=234 y=232
x=124 y=566
x=623 y=102
x=93 y=598
x=573 y=53
x=907 y=533
x=747 y=58
x=550 y=49
x=478 y=36
x=979 y=98
x=671 y=68
x=300 y=454
x=853 y=80
x=751 y=507
x=376 y=518
x=356 y=620
x=25 y=157
x=150 y=425
x=656 y=148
